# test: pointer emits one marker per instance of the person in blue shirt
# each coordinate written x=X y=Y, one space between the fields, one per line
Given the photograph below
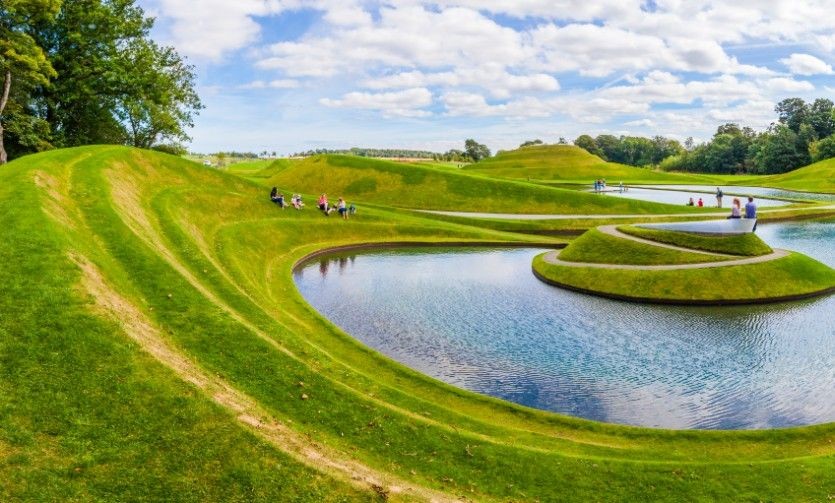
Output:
x=751 y=211
x=750 y=208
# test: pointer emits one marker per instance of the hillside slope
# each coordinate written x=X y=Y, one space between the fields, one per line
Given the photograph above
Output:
x=412 y=186
x=817 y=177
x=571 y=163
x=153 y=347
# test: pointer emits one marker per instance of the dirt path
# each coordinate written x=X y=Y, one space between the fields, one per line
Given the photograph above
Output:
x=245 y=408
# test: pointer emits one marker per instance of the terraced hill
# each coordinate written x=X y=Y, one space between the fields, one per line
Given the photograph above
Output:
x=153 y=347
x=414 y=186
x=569 y=163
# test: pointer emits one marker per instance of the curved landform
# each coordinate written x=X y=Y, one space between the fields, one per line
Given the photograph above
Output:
x=415 y=186
x=154 y=347
x=640 y=264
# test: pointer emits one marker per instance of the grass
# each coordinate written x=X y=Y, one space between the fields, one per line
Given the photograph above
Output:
x=597 y=247
x=793 y=275
x=204 y=260
x=817 y=177
x=748 y=245
x=425 y=187
x=570 y=163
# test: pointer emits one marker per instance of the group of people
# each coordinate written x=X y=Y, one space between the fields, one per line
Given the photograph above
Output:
x=341 y=207
x=750 y=208
x=600 y=186
x=278 y=198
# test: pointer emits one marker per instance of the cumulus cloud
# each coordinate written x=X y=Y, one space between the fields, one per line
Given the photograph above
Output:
x=272 y=84
x=806 y=64
x=406 y=103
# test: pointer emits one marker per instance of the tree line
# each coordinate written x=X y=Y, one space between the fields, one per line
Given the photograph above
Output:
x=803 y=133
x=81 y=72
x=370 y=152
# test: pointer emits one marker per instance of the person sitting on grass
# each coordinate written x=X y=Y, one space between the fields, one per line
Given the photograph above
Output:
x=701 y=203
x=352 y=210
x=274 y=194
x=342 y=208
x=323 y=204
x=736 y=212
x=280 y=201
x=296 y=201
x=691 y=202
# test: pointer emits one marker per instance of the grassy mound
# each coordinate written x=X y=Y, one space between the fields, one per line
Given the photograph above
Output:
x=748 y=245
x=154 y=347
x=425 y=187
x=817 y=177
x=597 y=247
x=571 y=163
x=793 y=276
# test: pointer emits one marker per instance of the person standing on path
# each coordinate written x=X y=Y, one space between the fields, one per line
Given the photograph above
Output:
x=719 y=195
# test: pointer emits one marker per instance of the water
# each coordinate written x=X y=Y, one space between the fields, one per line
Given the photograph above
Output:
x=680 y=197
x=478 y=319
x=752 y=191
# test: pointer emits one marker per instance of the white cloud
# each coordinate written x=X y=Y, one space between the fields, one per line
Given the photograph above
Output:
x=272 y=84
x=783 y=84
x=406 y=103
x=806 y=64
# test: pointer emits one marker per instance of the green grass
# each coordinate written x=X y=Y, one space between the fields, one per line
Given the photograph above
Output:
x=206 y=259
x=795 y=274
x=734 y=244
x=817 y=177
x=417 y=186
x=570 y=163
x=597 y=247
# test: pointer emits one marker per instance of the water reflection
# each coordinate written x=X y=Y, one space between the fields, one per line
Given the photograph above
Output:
x=478 y=319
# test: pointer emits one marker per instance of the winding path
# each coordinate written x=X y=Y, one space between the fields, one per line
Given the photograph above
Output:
x=553 y=257
x=526 y=216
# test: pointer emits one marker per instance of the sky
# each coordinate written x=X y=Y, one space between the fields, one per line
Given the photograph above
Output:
x=292 y=75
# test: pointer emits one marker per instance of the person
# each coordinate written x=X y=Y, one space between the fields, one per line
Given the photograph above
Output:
x=751 y=211
x=719 y=195
x=296 y=200
x=735 y=209
x=621 y=187
x=750 y=208
x=596 y=186
x=323 y=204
x=280 y=201
x=352 y=210
x=701 y=203
x=274 y=194
x=342 y=208
x=691 y=202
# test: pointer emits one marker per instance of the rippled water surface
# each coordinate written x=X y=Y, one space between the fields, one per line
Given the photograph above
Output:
x=478 y=319
x=753 y=191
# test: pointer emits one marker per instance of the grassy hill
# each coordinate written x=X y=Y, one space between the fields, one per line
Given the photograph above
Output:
x=574 y=164
x=417 y=186
x=153 y=347
x=817 y=177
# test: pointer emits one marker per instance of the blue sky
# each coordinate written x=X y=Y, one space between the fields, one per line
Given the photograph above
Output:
x=289 y=75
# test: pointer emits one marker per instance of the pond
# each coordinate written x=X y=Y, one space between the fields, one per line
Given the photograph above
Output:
x=478 y=319
x=681 y=196
x=752 y=191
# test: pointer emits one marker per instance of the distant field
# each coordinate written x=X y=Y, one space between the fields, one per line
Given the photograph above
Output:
x=817 y=177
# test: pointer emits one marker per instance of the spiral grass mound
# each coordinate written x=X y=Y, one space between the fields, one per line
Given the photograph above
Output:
x=154 y=347
x=670 y=267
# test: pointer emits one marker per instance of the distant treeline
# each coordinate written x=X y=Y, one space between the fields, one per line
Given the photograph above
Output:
x=803 y=133
x=371 y=152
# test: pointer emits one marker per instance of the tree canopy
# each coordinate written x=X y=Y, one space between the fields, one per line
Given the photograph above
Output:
x=102 y=79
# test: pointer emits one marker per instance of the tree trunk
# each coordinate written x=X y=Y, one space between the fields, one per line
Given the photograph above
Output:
x=7 y=84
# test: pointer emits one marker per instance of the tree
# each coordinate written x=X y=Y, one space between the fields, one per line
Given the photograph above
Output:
x=608 y=145
x=476 y=150
x=776 y=151
x=23 y=66
x=114 y=85
x=792 y=112
x=822 y=117
x=588 y=144
x=823 y=149
x=530 y=143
